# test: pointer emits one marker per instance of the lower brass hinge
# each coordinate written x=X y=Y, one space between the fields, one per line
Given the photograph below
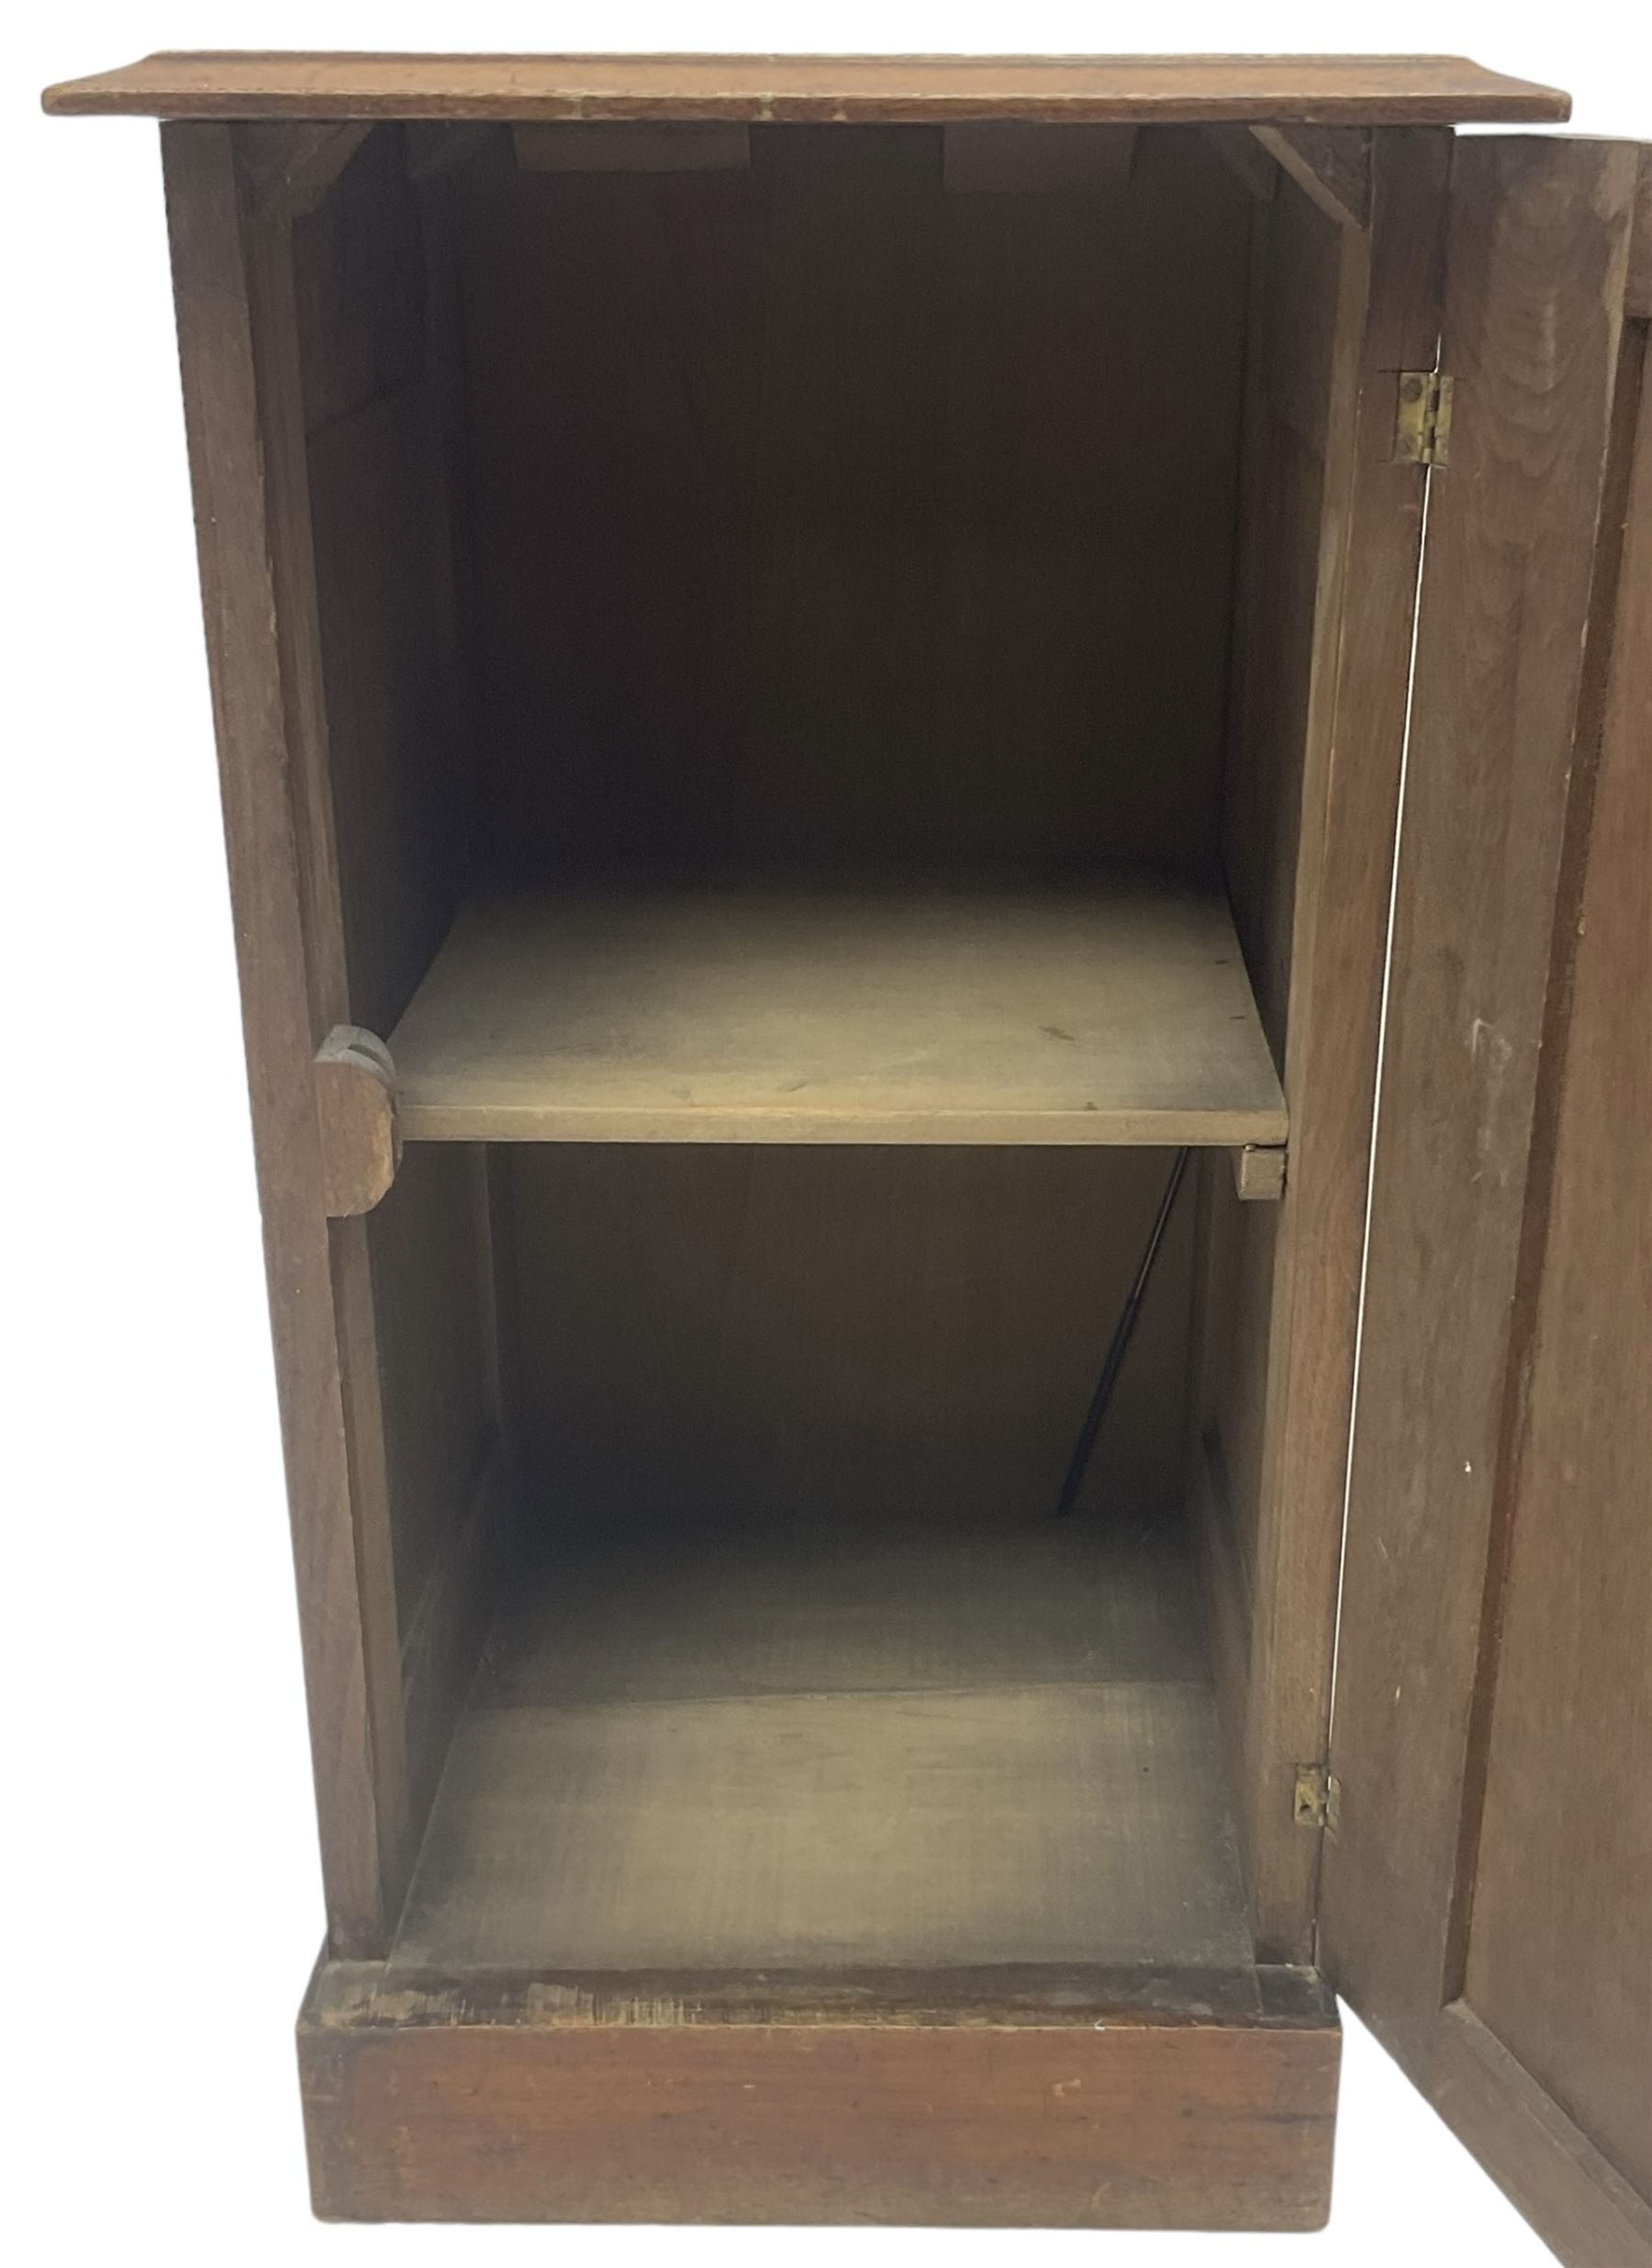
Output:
x=1318 y=1801
x=1422 y=421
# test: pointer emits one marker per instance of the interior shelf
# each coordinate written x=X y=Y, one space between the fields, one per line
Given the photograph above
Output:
x=1110 y=1013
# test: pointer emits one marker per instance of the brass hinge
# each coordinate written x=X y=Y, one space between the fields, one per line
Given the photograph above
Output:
x=1318 y=1801
x=1422 y=423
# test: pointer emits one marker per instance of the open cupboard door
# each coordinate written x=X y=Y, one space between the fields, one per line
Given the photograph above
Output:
x=1485 y=1884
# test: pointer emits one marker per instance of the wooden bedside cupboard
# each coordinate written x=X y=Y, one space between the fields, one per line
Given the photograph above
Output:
x=821 y=664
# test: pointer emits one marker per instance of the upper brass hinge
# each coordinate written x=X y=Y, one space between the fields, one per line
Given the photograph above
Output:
x=1318 y=1800
x=1422 y=421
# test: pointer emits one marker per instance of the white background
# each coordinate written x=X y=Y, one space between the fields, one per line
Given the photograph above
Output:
x=161 y=1831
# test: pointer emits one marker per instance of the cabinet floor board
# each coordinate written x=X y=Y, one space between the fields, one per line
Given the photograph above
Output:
x=905 y=1744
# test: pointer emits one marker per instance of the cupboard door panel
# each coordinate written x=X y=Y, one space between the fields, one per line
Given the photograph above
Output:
x=1565 y=1856
x=1483 y=1891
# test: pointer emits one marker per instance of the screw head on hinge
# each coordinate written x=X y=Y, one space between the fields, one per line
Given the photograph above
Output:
x=1317 y=1801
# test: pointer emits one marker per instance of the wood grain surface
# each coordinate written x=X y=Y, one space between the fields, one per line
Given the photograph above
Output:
x=1325 y=600
x=1116 y=1015
x=1534 y=267
x=998 y=2098
x=888 y=1739
x=1637 y=286
x=1332 y=165
x=1556 y=1964
x=240 y=407
x=369 y=327
x=704 y=1327
x=1492 y=1671
x=1353 y=732
x=1399 y=89
x=826 y=519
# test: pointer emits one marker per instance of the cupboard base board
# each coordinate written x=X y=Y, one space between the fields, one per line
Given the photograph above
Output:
x=1017 y=2097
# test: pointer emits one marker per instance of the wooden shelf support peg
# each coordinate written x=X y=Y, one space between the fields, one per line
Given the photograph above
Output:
x=355 y=1103
x=1259 y=1172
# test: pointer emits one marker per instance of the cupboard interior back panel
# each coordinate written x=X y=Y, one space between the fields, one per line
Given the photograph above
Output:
x=828 y=516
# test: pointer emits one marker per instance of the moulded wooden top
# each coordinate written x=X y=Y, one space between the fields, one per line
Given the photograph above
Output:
x=1393 y=90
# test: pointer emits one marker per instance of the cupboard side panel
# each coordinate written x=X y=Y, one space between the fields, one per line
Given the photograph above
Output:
x=377 y=303
x=258 y=614
x=1322 y=648
x=374 y=300
x=1355 y=738
x=1290 y=349
x=1296 y=267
